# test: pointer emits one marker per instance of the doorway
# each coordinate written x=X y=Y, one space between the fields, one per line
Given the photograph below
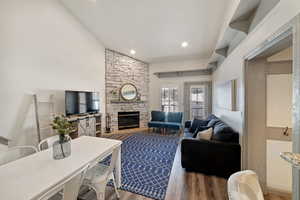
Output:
x=268 y=113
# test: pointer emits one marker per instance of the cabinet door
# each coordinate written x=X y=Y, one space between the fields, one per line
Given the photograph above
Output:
x=82 y=128
x=92 y=127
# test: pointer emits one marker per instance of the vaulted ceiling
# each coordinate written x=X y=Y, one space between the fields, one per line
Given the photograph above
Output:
x=155 y=29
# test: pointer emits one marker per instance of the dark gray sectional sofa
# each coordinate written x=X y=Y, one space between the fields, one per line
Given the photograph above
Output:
x=220 y=156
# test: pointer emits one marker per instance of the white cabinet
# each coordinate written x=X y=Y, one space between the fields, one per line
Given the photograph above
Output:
x=279 y=100
x=279 y=172
x=89 y=125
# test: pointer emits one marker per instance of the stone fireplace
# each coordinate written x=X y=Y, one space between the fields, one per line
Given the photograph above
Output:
x=127 y=120
x=121 y=69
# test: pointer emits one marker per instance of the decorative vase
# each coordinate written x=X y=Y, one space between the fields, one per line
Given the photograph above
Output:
x=62 y=147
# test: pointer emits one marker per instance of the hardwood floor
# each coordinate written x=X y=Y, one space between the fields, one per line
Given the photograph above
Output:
x=185 y=185
x=277 y=197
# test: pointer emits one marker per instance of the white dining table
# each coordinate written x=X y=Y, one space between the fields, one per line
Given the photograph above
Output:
x=30 y=177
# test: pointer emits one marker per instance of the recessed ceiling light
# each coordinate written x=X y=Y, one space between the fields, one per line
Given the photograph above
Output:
x=184 y=44
x=132 y=51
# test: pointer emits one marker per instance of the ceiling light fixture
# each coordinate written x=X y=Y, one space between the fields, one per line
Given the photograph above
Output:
x=132 y=51
x=184 y=44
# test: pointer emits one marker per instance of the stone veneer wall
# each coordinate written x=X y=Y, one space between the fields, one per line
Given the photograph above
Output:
x=121 y=69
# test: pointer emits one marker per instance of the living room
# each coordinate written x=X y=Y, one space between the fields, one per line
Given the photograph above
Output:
x=162 y=87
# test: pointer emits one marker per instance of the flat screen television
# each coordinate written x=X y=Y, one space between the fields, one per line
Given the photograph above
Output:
x=80 y=102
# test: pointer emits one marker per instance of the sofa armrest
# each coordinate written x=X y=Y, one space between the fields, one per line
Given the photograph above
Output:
x=188 y=124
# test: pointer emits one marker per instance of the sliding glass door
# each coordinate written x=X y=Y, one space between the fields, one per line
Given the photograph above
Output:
x=197 y=102
x=169 y=99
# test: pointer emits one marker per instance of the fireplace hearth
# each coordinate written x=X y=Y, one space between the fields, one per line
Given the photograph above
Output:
x=127 y=120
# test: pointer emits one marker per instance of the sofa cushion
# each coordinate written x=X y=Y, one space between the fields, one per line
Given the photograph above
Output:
x=172 y=125
x=174 y=117
x=156 y=124
x=212 y=122
x=188 y=124
x=197 y=123
x=224 y=133
x=158 y=116
x=210 y=117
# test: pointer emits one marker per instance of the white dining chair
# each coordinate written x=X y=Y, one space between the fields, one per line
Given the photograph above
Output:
x=69 y=189
x=48 y=142
x=99 y=175
x=15 y=153
x=244 y=185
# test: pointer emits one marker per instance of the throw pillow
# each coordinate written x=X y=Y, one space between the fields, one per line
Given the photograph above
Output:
x=199 y=129
x=222 y=132
x=196 y=123
x=206 y=134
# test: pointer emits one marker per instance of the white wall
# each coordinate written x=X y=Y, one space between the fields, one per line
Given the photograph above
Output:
x=42 y=47
x=232 y=67
x=157 y=83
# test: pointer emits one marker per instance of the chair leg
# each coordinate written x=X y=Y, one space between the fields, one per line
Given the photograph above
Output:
x=100 y=190
x=115 y=186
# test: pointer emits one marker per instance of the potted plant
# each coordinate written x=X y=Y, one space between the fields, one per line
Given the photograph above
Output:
x=62 y=147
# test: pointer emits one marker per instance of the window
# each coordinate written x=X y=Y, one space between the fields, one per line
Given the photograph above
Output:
x=197 y=102
x=169 y=99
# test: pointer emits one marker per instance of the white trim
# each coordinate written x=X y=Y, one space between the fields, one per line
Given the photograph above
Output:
x=296 y=103
x=292 y=27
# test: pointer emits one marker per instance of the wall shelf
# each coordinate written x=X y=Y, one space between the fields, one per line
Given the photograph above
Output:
x=4 y=140
x=236 y=31
x=197 y=72
x=120 y=102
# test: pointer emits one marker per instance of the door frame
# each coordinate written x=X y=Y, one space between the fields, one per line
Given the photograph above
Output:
x=292 y=27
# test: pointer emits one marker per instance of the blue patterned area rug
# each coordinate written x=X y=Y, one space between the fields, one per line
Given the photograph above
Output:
x=147 y=161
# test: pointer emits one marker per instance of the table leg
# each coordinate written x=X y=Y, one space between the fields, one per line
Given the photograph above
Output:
x=71 y=188
x=118 y=168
